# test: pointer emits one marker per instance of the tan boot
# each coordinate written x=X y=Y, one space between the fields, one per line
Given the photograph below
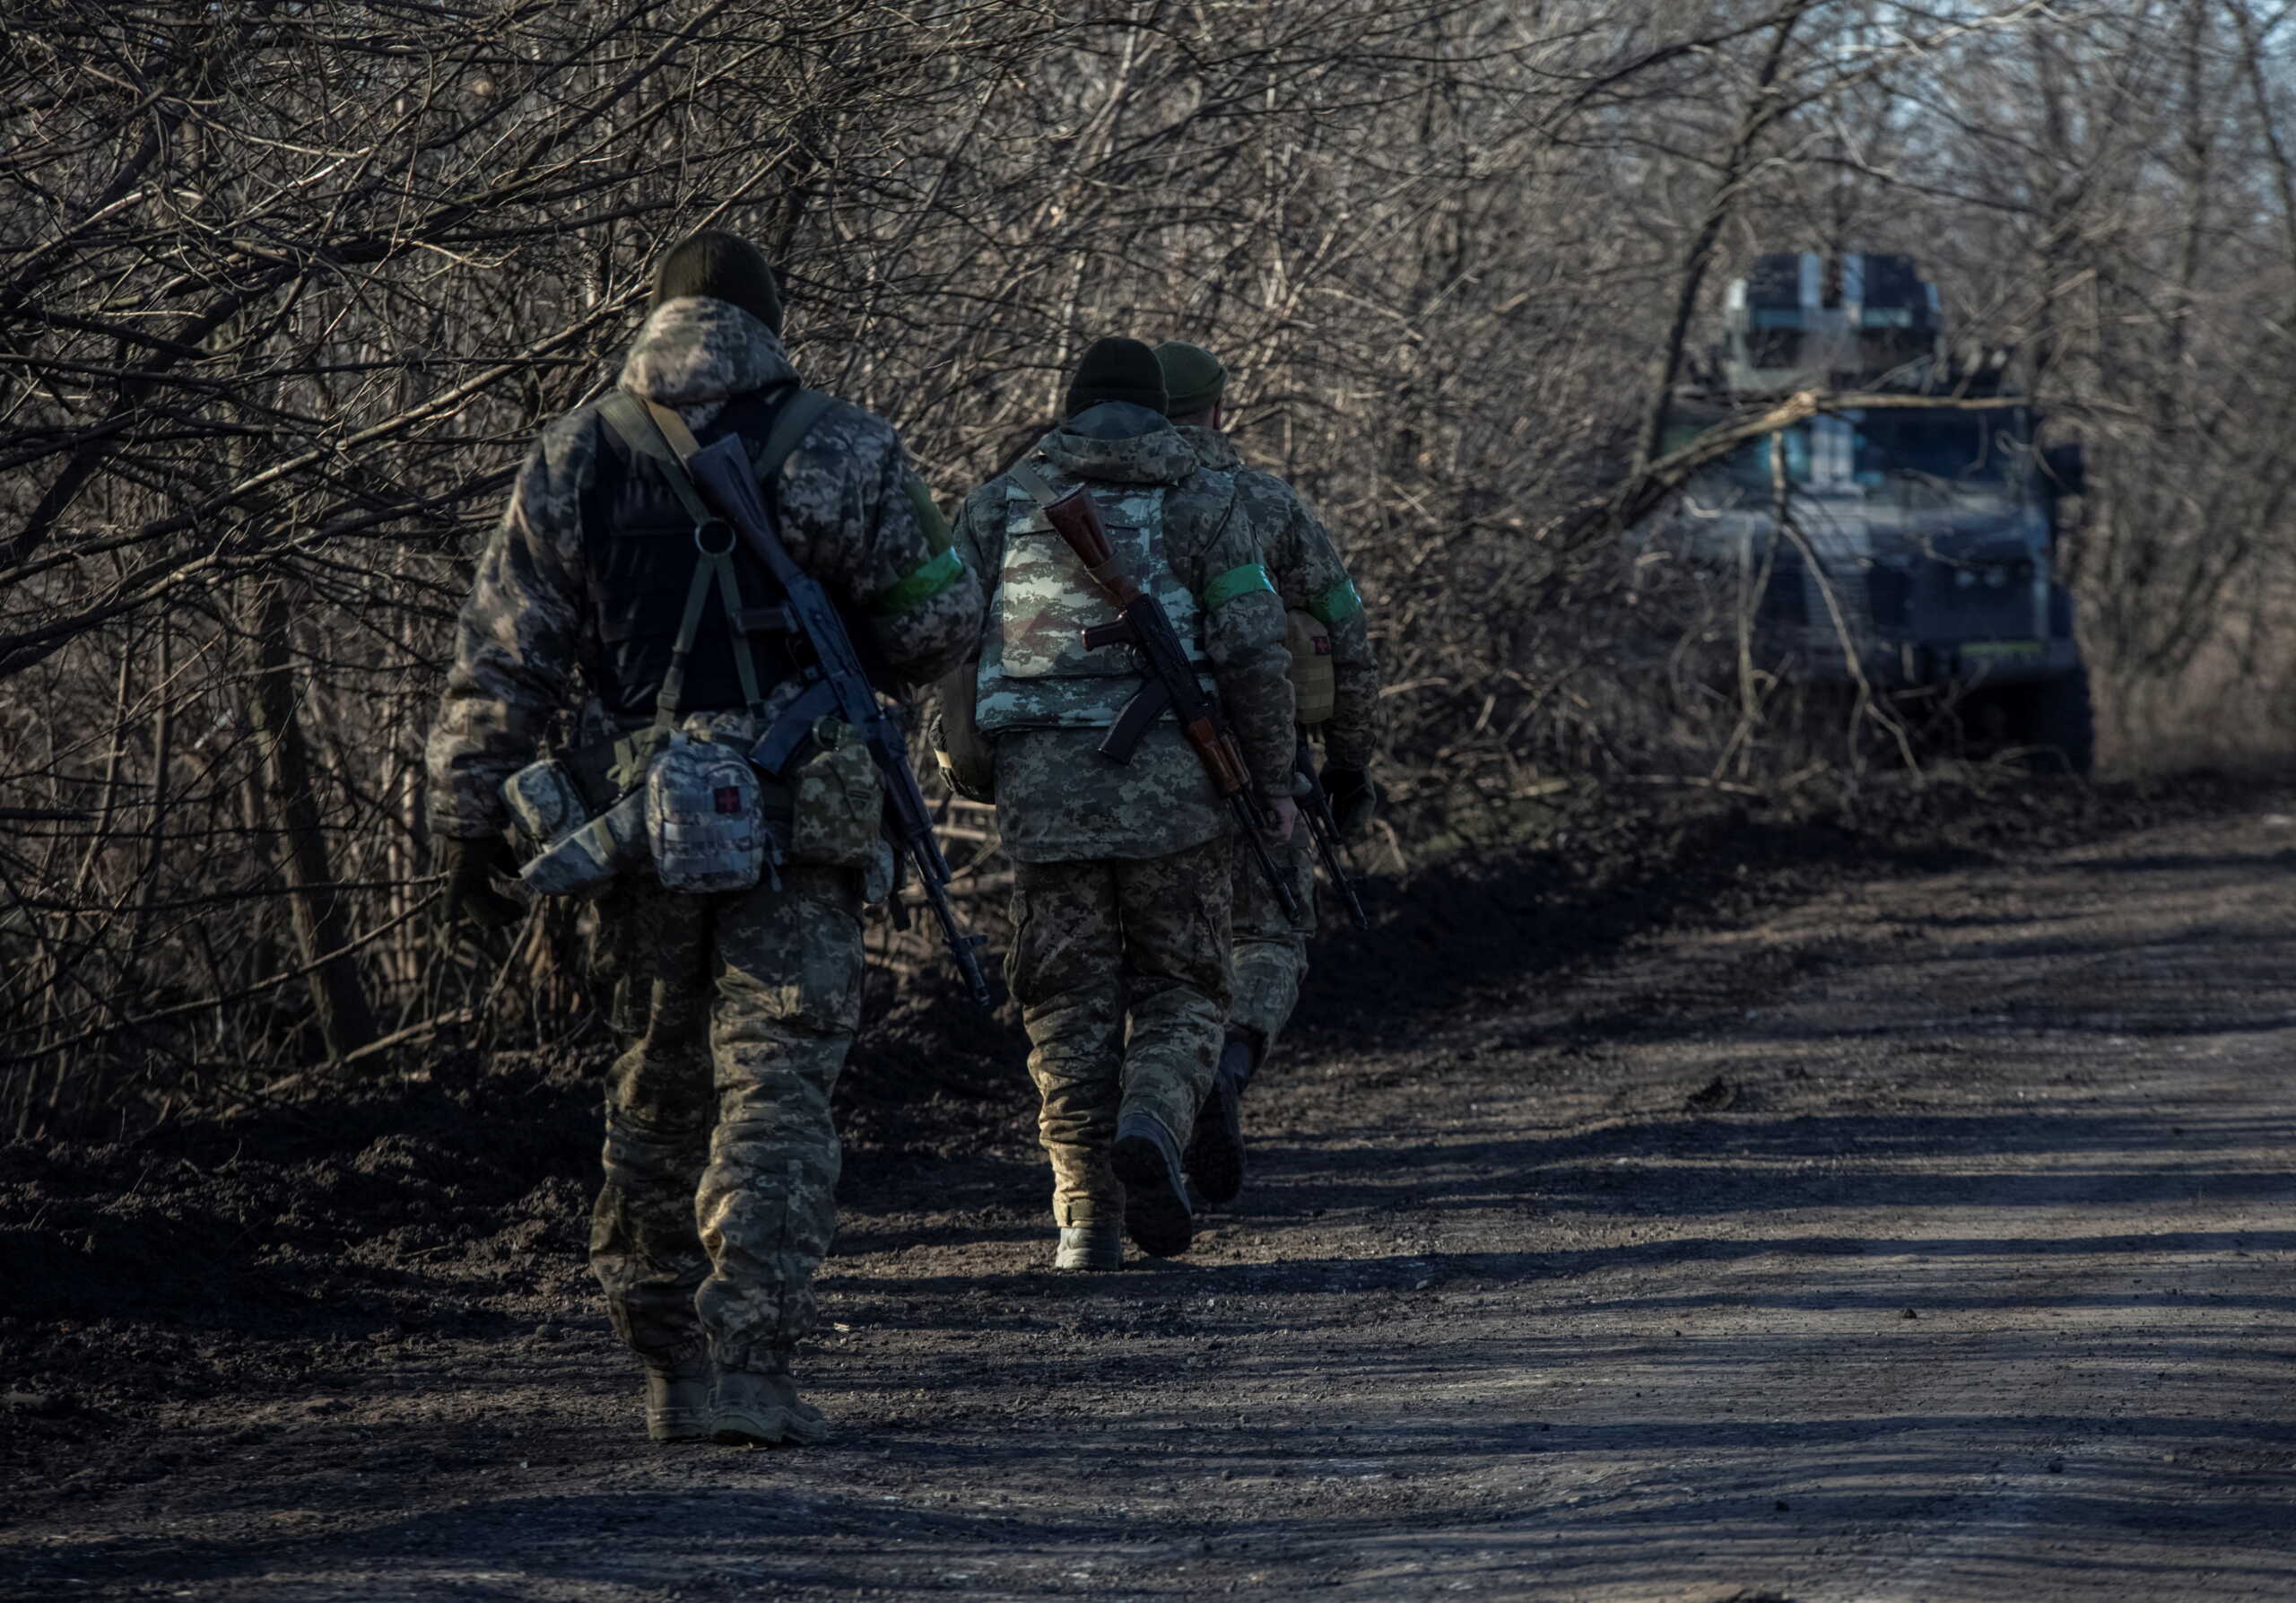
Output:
x=1090 y=1248
x=677 y=1400
x=763 y=1410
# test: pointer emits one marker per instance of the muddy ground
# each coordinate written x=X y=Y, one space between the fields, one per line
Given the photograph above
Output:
x=1890 y=1205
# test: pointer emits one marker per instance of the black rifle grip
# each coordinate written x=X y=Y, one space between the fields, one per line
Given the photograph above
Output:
x=1147 y=705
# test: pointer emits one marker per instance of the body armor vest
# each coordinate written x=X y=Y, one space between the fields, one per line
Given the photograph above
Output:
x=1035 y=673
x=639 y=550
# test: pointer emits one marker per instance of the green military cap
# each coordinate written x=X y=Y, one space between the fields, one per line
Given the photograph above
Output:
x=724 y=266
x=1192 y=377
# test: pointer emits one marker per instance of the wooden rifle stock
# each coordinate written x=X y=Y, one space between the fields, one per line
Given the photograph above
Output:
x=1222 y=758
x=1075 y=517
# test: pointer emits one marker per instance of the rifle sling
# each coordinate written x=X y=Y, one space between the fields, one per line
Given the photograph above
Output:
x=1029 y=479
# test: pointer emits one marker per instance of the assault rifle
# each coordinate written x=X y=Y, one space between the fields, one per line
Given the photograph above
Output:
x=1315 y=812
x=1168 y=680
x=838 y=683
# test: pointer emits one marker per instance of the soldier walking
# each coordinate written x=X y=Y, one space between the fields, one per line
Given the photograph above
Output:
x=1336 y=681
x=1122 y=872
x=733 y=1010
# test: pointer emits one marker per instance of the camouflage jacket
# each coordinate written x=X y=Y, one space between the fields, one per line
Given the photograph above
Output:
x=1305 y=563
x=527 y=639
x=1058 y=800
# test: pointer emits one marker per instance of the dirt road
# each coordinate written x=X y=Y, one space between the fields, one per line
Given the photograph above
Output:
x=1935 y=1239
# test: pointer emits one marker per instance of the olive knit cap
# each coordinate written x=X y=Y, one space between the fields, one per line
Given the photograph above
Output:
x=1192 y=377
x=724 y=266
x=1116 y=370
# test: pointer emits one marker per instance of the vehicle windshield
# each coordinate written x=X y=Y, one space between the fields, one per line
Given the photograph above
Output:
x=1881 y=447
x=1977 y=447
x=1749 y=465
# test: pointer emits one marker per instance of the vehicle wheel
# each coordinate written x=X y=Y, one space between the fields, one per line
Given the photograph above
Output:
x=2062 y=730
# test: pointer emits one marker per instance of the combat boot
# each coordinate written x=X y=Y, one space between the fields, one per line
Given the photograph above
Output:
x=1147 y=1160
x=1097 y=1246
x=761 y=1411
x=1215 y=1151
x=677 y=1399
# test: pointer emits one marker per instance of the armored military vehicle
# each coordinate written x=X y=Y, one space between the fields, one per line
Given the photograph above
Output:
x=1918 y=549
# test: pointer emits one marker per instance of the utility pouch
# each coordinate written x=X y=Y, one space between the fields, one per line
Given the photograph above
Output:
x=593 y=855
x=838 y=808
x=1315 y=689
x=703 y=818
x=577 y=854
x=546 y=801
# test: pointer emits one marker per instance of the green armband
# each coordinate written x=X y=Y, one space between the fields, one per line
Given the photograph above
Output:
x=1235 y=582
x=920 y=587
x=1340 y=601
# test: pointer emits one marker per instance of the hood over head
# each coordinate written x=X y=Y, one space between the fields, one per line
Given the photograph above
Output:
x=1116 y=442
x=697 y=350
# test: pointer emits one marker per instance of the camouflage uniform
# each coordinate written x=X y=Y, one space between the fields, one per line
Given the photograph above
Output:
x=1096 y=939
x=1271 y=950
x=735 y=1011
x=1121 y=894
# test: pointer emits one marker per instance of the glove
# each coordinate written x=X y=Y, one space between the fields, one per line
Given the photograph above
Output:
x=1355 y=800
x=1283 y=816
x=973 y=786
x=472 y=867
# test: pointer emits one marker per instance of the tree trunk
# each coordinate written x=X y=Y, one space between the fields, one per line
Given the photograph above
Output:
x=322 y=934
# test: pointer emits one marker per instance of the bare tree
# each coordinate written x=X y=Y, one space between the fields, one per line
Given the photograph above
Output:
x=286 y=290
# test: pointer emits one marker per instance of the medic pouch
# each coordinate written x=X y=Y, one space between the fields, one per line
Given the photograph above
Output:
x=705 y=821
x=1315 y=689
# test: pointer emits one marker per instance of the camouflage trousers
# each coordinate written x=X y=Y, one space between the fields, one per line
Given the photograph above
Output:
x=735 y=1014
x=1270 y=949
x=1100 y=943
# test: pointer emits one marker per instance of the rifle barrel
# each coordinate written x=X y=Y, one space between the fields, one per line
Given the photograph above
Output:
x=1284 y=896
x=1324 y=827
x=1326 y=831
x=961 y=945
